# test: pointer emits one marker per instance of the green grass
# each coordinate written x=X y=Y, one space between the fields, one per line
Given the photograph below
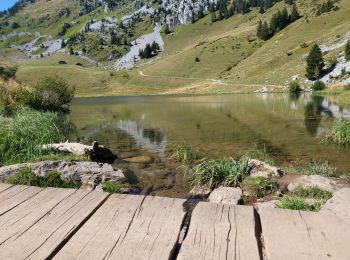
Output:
x=112 y=186
x=340 y=133
x=312 y=193
x=296 y=203
x=184 y=153
x=259 y=186
x=322 y=168
x=23 y=133
x=227 y=172
x=26 y=176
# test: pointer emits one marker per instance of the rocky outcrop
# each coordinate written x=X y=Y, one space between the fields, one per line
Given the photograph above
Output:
x=259 y=168
x=226 y=195
x=90 y=174
x=339 y=204
x=318 y=181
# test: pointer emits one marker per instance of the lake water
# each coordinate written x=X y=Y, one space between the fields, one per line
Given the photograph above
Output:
x=290 y=128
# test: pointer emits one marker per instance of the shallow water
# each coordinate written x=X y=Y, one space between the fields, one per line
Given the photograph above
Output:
x=291 y=129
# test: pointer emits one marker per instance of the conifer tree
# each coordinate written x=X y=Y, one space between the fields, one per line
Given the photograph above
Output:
x=314 y=63
x=347 y=51
x=294 y=15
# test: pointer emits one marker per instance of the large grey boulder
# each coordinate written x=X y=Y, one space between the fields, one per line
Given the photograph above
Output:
x=339 y=204
x=91 y=174
x=310 y=181
x=259 y=168
x=226 y=195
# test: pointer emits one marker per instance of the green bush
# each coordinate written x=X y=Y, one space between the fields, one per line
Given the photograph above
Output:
x=259 y=186
x=347 y=51
x=296 y=203
x=227 y=172
x=340 y=133
x=294 y=87
x=51 y=93
x=7 y=72
x=318 y=85
x=26 y=176
x=23 y=133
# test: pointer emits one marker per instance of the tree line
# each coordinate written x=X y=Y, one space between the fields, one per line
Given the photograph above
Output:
x=149 y=51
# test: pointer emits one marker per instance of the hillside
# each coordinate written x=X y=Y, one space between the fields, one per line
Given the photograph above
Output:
x=193 y=54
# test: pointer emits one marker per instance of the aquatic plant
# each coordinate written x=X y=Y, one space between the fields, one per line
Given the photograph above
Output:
x=26 y=176
x=23 y=133
x=296 y=203
x=258 y=186
x=227 y=172
x=184 y=153
x=340 y=133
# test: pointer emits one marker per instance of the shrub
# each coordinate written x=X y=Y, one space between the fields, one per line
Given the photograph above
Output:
x=347 y=87
x=227 y=172
x=26 y=176
x=259 y=186
x=294 y=87
x=23 y=133
x=347 y=51
x=7 y=72
x=318 y=85
x=51 y=93
x=197 y=59
x=296 y=203
x=184 y=153
x=340 y=133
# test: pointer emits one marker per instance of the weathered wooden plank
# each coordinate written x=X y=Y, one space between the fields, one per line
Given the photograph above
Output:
x=128 y=227
x=16 y=195
x=4 y=186
x=45 y=236
x=28 y=213
x=219 y=231
x=290 y=234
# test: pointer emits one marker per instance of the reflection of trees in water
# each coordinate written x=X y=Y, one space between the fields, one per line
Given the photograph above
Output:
x=154 y=135
x=294 y=96
x=313 y=112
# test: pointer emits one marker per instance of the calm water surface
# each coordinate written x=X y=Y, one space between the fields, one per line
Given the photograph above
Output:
x=291 y=129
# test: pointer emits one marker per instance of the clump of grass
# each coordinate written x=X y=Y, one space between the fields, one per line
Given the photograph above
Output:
x=296 y=203
x=112 y=186
x=26 y=176
x=294 y=87
x=184 y=153
x=312 y=193
x=259 y=186
x=227 y=172
x=23 y=133
x=340 y=133
x=318 y=168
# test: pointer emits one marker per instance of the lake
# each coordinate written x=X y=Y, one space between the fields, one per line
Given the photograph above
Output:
x=290 y=128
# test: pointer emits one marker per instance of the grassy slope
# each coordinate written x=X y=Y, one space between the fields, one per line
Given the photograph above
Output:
x=227 y=52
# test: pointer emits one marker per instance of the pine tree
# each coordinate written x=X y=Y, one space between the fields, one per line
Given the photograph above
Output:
x=63 y=44
x=213 y=17
x=294 y=15
x=71 y=51
x=114 y=38
x=347 y=51
x=261 y=9
x=314 y=63
x=259 y=30
x=265 y=32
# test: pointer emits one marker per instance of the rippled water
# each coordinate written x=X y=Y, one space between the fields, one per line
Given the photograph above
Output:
x=290 y=127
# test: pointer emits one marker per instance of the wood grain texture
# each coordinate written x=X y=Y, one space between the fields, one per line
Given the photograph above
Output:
x=128 y=227
x=220 y=231
x=42 y=238
x=291 y=234
x=15 y=195
x=4 y=186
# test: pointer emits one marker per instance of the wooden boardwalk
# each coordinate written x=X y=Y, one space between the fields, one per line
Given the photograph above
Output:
x=53 y=223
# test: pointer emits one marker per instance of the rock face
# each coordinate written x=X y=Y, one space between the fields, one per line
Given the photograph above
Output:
x=226 y=195
x=91 y=174
x=318 y=181
x=339 y=204
x=200 y=192
x=259 y=168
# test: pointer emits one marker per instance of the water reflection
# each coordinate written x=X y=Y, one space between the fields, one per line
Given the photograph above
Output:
x=147 y=138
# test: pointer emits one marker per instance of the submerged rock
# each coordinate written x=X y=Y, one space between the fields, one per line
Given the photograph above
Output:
x=318 y=181
x=144 y=159
x=226 y=195
x=259 y=168
x=90 y=174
